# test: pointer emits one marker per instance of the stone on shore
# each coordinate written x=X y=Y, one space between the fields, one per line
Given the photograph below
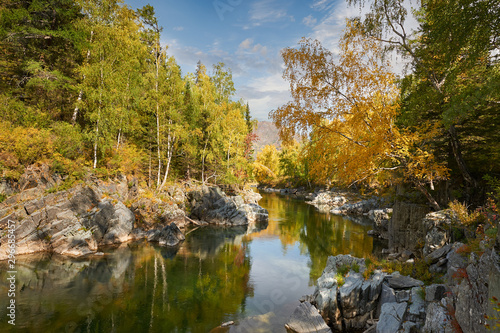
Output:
x=306 y=318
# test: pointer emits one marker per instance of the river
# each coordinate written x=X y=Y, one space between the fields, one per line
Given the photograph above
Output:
x=253 y=276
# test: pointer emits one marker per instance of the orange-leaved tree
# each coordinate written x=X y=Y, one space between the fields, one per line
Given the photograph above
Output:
x=347 y=104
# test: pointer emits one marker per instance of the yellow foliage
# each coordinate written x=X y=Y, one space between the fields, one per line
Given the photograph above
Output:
x=22 y=146
x=348 y=104
x=127 y=160
x=266 y=165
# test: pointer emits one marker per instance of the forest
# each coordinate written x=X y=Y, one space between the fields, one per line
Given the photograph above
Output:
x=87 y=86
x=433 y=129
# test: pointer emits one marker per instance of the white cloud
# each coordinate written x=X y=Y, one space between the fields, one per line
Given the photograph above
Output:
x=267 y=11
x=247 y=47
x=178 y=28
x=309 y=21
x=246 y=44
x=265 y=94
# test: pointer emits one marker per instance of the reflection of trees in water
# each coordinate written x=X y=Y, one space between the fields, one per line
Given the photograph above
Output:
x=195 y=292
x=57 y=293
x=320 y=235
x=133 y=288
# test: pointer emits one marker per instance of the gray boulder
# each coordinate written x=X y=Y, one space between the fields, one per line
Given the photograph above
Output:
x=306 y=319
x=213 y=206
x=416 y=310
x=170 y=235
x=391 y=317
x=73 y=222
x=437 y=230
x=435 y=292
x=357 y=208
x=398 y=281
x=437 y=319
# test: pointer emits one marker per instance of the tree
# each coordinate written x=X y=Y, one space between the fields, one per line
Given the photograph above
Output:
x=454 y=66
x=173 y=126
x=350 y=105
x=157 y=56
x=39 y=47
x=114 y=47
x=266 y=165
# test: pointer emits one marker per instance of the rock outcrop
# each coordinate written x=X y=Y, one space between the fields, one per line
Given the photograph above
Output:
x=392 y=302
x=73 y=222
x=437 y=230
x=211 y=205
x=405 y=226
x=170 y=235
x=306 y=318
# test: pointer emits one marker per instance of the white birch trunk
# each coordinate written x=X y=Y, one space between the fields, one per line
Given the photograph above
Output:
x=98 y=118
x=80 y=94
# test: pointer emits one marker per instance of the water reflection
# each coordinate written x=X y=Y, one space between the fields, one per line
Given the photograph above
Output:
x=253 y=275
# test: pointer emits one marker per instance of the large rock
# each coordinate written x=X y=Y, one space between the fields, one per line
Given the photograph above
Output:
x=170 y=235
x=436 y=255
x=112 y=224
x=351 y=305
x=437 y=230
x=437 y=319
x=306 y=319
x=330 y=199
x=405 y=226
x=391 y=317
x=456 y=263
x=398 y=281
x=357 y=208
x=213 y=206
x=73 y=222
x=381 y=218
x=473 y=294
x=416 y=309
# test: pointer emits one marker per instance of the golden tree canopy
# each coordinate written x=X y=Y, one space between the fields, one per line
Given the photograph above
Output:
x=347 y=104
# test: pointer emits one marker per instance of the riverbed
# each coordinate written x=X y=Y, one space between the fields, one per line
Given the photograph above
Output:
x=252 y=276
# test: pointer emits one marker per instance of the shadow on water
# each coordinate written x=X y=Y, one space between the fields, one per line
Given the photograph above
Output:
x=252 y=275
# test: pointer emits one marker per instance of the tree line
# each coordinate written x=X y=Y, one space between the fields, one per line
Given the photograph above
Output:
x=87 y=84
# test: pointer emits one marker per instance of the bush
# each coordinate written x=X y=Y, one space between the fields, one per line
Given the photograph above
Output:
x=68 y=140
x=127 y=160
x=464 y=217
x=22 y=146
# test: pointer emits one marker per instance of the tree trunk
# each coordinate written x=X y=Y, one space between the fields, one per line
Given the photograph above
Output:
x=170 y=149
x=457 y=153
x=150 y=157
x=429 y=197
x=80 y=94
x=98 y=117
x=158 y=114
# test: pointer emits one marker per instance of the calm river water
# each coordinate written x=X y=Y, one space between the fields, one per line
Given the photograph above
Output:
x=253 y=276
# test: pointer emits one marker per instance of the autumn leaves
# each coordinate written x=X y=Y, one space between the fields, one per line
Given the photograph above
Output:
x=347 y=106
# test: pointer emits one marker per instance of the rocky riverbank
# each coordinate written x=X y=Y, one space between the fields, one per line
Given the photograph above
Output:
x=349 y=204
x=351 y=299
x=348 y=298
x=78 y=221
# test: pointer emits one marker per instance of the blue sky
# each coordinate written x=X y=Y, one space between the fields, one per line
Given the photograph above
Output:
x=247 y=35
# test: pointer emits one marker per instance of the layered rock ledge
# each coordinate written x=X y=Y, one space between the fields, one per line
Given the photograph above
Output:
x=76 y=222
x=393 y=303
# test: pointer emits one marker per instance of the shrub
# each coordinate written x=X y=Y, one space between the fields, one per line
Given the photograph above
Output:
x=464 y=217
x=127 y=160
